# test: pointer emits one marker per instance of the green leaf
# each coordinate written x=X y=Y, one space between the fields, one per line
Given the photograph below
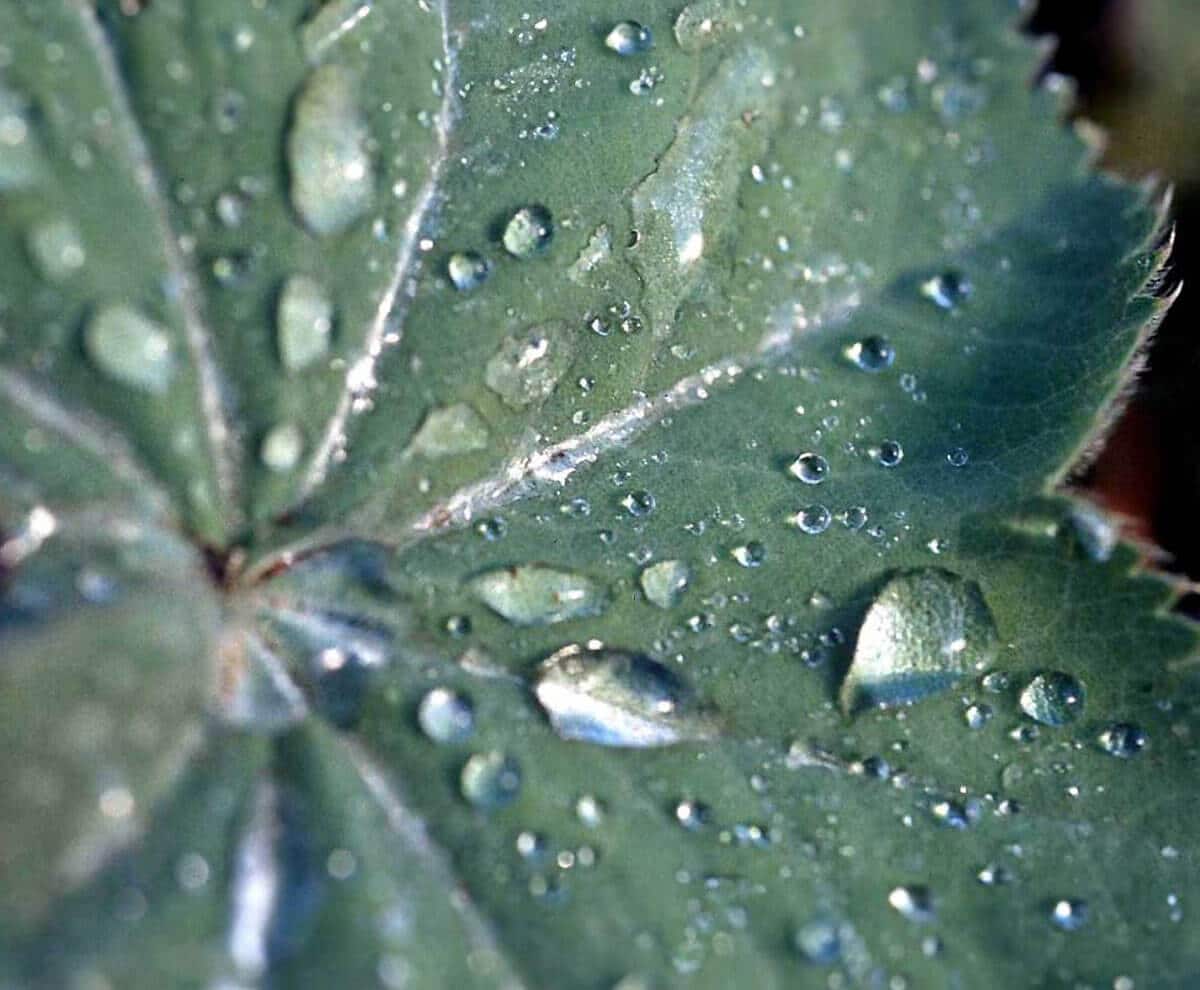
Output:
x=487 y=500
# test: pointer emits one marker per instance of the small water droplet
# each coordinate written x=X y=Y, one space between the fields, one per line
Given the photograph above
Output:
x=304 y=322
x=994 y=875
x=527 y=368
x=445 y=716
x=977 y=716
x=1122 y=739
x=616 y=698
x=528 y=232
x=1053 y=698
x=810 y=468
x=924 y=631
x=665 y=582
x=639 y=503
x=958 y=457
x=629 y=38
x=872 y=353
x=468 y=270
x=282 y=447
x=491 y=780
x=946 y=290
x=818 y=942
x=56 y=248
x=752 y=554
x=590 y=811
x=1069 y=914
x=20 y=153
x=537 y=595
x=131 y=349
x=890 y=453
x=812 y=519
x=692 y=815
x=914 y=902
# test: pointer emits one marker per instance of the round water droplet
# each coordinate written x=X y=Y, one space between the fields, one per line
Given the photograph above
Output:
x=282 y=447
x=914 y=902
x=1122 y=739
x=537 y=595
x=1053 y=698
x=855 y=517
x=665 y=582
x=810 y=468
x=639 y=503
x=467 y=270
x=616 y=698
x=56 y=248
x=813 y=519
x=528 y=232
x=946 y=290
x=977 y=716
x=692 y=815
x=1069 y=914
x=304 y=322
x=752 y=554
x=129 y=348
x=994 y=875
x=872 y=353
x=491 y=529
x=958 y=457
x=445 y=716
x=890 y=453
x=629 y=38
x=818 y=942
x=491 y=781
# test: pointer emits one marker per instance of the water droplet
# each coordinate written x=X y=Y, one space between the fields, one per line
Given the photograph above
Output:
x=491 y=529
x=490 y=781
x=872 y=353
x=890 y=453
x=819 y=942
x=130 y=349
x=527 y=368
x=692 y=815
x=450 y=430
x=924 y=631
x=1122 y=739
x=700 y=24
x=996 y=681
x=639 y=503
x=855 y=517
x=914 y=902
x=955 y=814
x=332 y=22
x=20 y=154
x=468 y=270
x=994 y=875
x=589 y=810
x=1069 y=914
x=304 y=322
x=445 y=716
x=665 y=582
x=331 y=174
x=616 y=698
x=977 y=716
x=537 y=595
x=810 y=468
x=958 y=457
x=629 y=38
x=282 y=447
x=946 y=290
x=1053 y=698
x=528 y=232
x=56 y=248
x=751 y=554
x=812 y=519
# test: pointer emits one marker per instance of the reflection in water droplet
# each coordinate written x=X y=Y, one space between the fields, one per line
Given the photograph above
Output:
x=1069 y=914
x=331 y=174
x=450 y=430
x=946 y=290
x=527 y=368
x=639 y=503
x=1122 y=739
x=490 y=781
x=890 y=453
x=812 y=519
x=56 y=248
x=1053 y=698
x=445 y=716
x=528 y=232
x=537 y=595
x=616 y=698
x=810 y=468
x=467 y=270
x=914 y=902
x=924 y=631
x=752 y=554
x=282 y=447
x=958 y=457
x=304 y=322
x=692 y=815
x=129 y=348
x=629 y=38
x=665 y=582
x=872 y=353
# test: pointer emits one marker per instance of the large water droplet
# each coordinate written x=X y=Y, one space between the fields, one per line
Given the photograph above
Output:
x=130 y=348
x=490 y=781
x=1122 y=739
x=56 y=247
x=810 y=468
x=528 y=232
x=456 y=429
x=1053 y=698
x=872 y=353
x=331 y=174
x=924 y=631
x=537 y=595
x=467 y=270
x=665 y=582
x=527 y=368
x=304 y=322
x=616 y=698
x=445 y=716
x=629 y=38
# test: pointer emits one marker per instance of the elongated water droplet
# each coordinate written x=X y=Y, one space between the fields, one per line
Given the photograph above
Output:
x=537 y=595
x=445 y=716
x=665 y=582
x=701 y=24
x=331 y=173
x=629 y=38
x=282 y=447
x=329 y=25
x=304 y=322
x=946 y=290
x=490 y=781
x=1053 y=698
x=131 y=349
x=56 y=248
x=1122 y=739
x=527 y=368
x=467 y=270
x=924 y=631
x=872 y=353
x=20 y=153
x=456 y=429
x=616 y=698
x=528 y=232
x=810 y=468
x=914 y=902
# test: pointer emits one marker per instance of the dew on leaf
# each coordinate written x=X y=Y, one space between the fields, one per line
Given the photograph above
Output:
x=490 y=781
x=818 y=941
x=638 y=503
x=700 y=24
x=810 y=468
x=1122 y=739
x=692 y=815
x=855 y=517
x=925 y=630
x=446 y=716
x=752 y=554
x=958 y=457
x=994 y=875
x=946 y=290
x=330 y=167
x=595 y=253
x=955 y=814
x=617 y=698
x=20 y=153
x=890 y=453
x=1052 y=698
x=872 y=353
x=589 y=810
x=491 y=529
x=914 y=902
x=130 y=348
x=1069 y=914
x=1096 y=531
x=528 y=231
x=56 y=248
x=527 y=368
x=665 y=582
x=977 y=716
x=450 y=430
x=467 y=270
x=996 y=681
x=332 y=22
x=812 y=519
x=282 y=447
x=629 y=38
x=304 y=322
x=538 y=595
